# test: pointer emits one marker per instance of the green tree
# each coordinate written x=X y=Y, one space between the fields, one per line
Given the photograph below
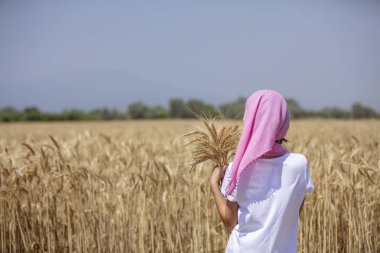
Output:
x=9 y=113
x=198 y=107
x=53 y=117
x=106 y=114
x=359 y=111
x=177 y=108
x=334 y=112
x=138 y=110
x=158 y=112
x=32 y=114
x=295 y=109
x=233 y=110
x=73 y=114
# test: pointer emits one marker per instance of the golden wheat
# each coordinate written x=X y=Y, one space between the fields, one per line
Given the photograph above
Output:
x=125 y=187
x=213 y=140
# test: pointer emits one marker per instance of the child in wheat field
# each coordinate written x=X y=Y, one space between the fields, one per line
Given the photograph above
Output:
x=265 y=185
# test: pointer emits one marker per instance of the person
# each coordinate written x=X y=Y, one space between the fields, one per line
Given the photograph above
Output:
x=264 y=187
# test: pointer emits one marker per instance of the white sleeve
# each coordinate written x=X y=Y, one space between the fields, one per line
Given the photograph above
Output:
x=225 y=182
x=309 y=181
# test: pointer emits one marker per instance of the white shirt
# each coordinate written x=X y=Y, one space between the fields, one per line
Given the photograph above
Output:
x=269 y=193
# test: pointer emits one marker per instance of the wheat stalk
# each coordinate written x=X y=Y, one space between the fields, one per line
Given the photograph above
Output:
x=213 y=140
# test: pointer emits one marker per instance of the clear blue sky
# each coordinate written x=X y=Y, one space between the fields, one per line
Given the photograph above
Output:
x=85 y=54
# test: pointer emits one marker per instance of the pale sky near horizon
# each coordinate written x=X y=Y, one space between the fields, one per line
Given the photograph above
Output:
x=87 y=54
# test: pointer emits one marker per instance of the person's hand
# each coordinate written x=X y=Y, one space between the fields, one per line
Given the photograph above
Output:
x=217 y=175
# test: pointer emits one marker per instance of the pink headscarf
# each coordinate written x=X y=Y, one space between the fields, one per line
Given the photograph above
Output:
x=266 y=119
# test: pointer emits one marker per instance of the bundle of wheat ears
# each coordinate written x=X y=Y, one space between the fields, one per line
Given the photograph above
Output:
x=214 y=140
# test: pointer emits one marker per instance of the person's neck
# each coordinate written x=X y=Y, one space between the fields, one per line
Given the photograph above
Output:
x=270 y=157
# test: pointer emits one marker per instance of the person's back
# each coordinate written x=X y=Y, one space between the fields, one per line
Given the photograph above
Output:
x=265 y=185
x=269 y=194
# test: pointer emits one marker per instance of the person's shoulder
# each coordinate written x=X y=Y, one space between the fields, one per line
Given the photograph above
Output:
x=297 y=158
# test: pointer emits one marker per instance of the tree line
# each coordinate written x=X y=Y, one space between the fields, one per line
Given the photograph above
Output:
x=181 y=109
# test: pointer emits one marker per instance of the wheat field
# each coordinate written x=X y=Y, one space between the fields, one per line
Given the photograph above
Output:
x=126 y=187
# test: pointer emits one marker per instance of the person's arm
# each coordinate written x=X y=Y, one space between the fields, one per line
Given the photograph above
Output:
x=227 y=209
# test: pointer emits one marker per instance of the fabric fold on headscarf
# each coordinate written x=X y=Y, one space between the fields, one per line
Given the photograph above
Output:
x=266 y=119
